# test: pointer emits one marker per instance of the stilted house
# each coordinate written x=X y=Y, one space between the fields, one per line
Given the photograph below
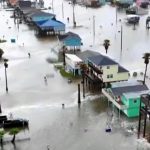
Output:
x=73 y=64
x=126 y=96
x=70 y=40
x=38 y=16
x=50 y=27
x=112 y=71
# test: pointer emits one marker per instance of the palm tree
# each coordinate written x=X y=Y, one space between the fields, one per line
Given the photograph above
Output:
x=146 y=58
x=14 y=132
x=2 y=132
x=83 y=68
x=106 y=44
x=64 y=51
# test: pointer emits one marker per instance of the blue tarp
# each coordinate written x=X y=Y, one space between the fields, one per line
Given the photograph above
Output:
x=51 y=24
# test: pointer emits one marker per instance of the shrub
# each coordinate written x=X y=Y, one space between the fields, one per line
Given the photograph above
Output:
x=1 y=53
x=134 y=74
x=141 y=73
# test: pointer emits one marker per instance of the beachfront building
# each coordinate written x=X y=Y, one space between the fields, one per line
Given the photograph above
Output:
x=39 y=16
x=70 y=41
x=49 y=27
x=126 y=96
x=73 y=64
x=111 y=70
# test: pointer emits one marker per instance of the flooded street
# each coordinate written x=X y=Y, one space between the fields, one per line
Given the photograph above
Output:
x=28 y=96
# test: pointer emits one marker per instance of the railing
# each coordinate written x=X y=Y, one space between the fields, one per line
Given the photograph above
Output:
x=97 y=70
x=119 y=106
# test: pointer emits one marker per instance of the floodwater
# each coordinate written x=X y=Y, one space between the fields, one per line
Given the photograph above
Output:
x=29 y=97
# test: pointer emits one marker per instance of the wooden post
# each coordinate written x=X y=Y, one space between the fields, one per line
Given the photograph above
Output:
x=121 y=37
x=0 y=109
x=139 y=126
x=79 y=98
x=145 y=117
x=93 y=30
x=83 y=86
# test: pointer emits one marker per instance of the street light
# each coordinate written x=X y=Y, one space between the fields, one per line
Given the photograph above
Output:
x=121 y=33
x=6 y=66
x=73 y=5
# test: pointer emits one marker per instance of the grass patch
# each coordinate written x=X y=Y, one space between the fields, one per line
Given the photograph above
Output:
x=66 y=74
x=58 y=66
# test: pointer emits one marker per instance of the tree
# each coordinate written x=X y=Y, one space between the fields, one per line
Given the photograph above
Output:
x=1 y=53
x=14 y=132
x=2 y=132
x=106 y=44
x=64 y=51
x=146 y=58
x=84 y=69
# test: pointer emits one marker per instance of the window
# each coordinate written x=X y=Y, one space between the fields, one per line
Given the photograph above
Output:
x=111 y=76
x=108 y=67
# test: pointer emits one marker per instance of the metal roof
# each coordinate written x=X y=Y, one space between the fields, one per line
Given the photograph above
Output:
x=68 y=35
x=118 y=91
x=122 y=69
x=136 y=94
x=73 y=57
x=101 y=60
x=40 y=13
x=51 y=24
x=85 y=54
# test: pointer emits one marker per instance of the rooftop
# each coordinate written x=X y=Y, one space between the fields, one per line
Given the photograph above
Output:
x=122 y=69
x=136 y=94
x=102 y=60
x=68 y=35
x=73 y=57
x=118 y=91
x=88 y=53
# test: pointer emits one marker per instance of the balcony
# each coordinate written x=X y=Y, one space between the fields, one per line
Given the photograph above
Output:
x=97 y=70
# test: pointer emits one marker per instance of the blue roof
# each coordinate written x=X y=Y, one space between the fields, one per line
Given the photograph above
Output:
x=68 y=35
x=102 y=60
x=118 y=91
x=52 y=24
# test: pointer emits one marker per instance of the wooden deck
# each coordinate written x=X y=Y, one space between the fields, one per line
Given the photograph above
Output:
x=110 y=98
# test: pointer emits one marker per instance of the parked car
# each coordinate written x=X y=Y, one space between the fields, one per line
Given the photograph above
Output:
x=131 y=10
x=132 y=19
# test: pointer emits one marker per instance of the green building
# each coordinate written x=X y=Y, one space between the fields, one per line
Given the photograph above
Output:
x=132 y=101
x=126 y=96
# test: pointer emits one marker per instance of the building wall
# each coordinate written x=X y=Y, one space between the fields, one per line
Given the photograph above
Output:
x=109 y=70
x=72 y=42
x=72 y=66
x=122 y=76
x=133 y=106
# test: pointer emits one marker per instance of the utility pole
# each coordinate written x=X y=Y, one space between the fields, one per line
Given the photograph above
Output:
x=6 y=66
x=79 y=98
x=121 y=36
x=73 y=5
x=116 y=16
x=53 y=6
x=62 y=10
x=93 y=30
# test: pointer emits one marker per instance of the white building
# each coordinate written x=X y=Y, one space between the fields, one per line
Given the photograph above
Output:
x=73 y=64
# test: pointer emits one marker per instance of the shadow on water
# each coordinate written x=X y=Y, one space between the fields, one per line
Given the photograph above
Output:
x=96 y=106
